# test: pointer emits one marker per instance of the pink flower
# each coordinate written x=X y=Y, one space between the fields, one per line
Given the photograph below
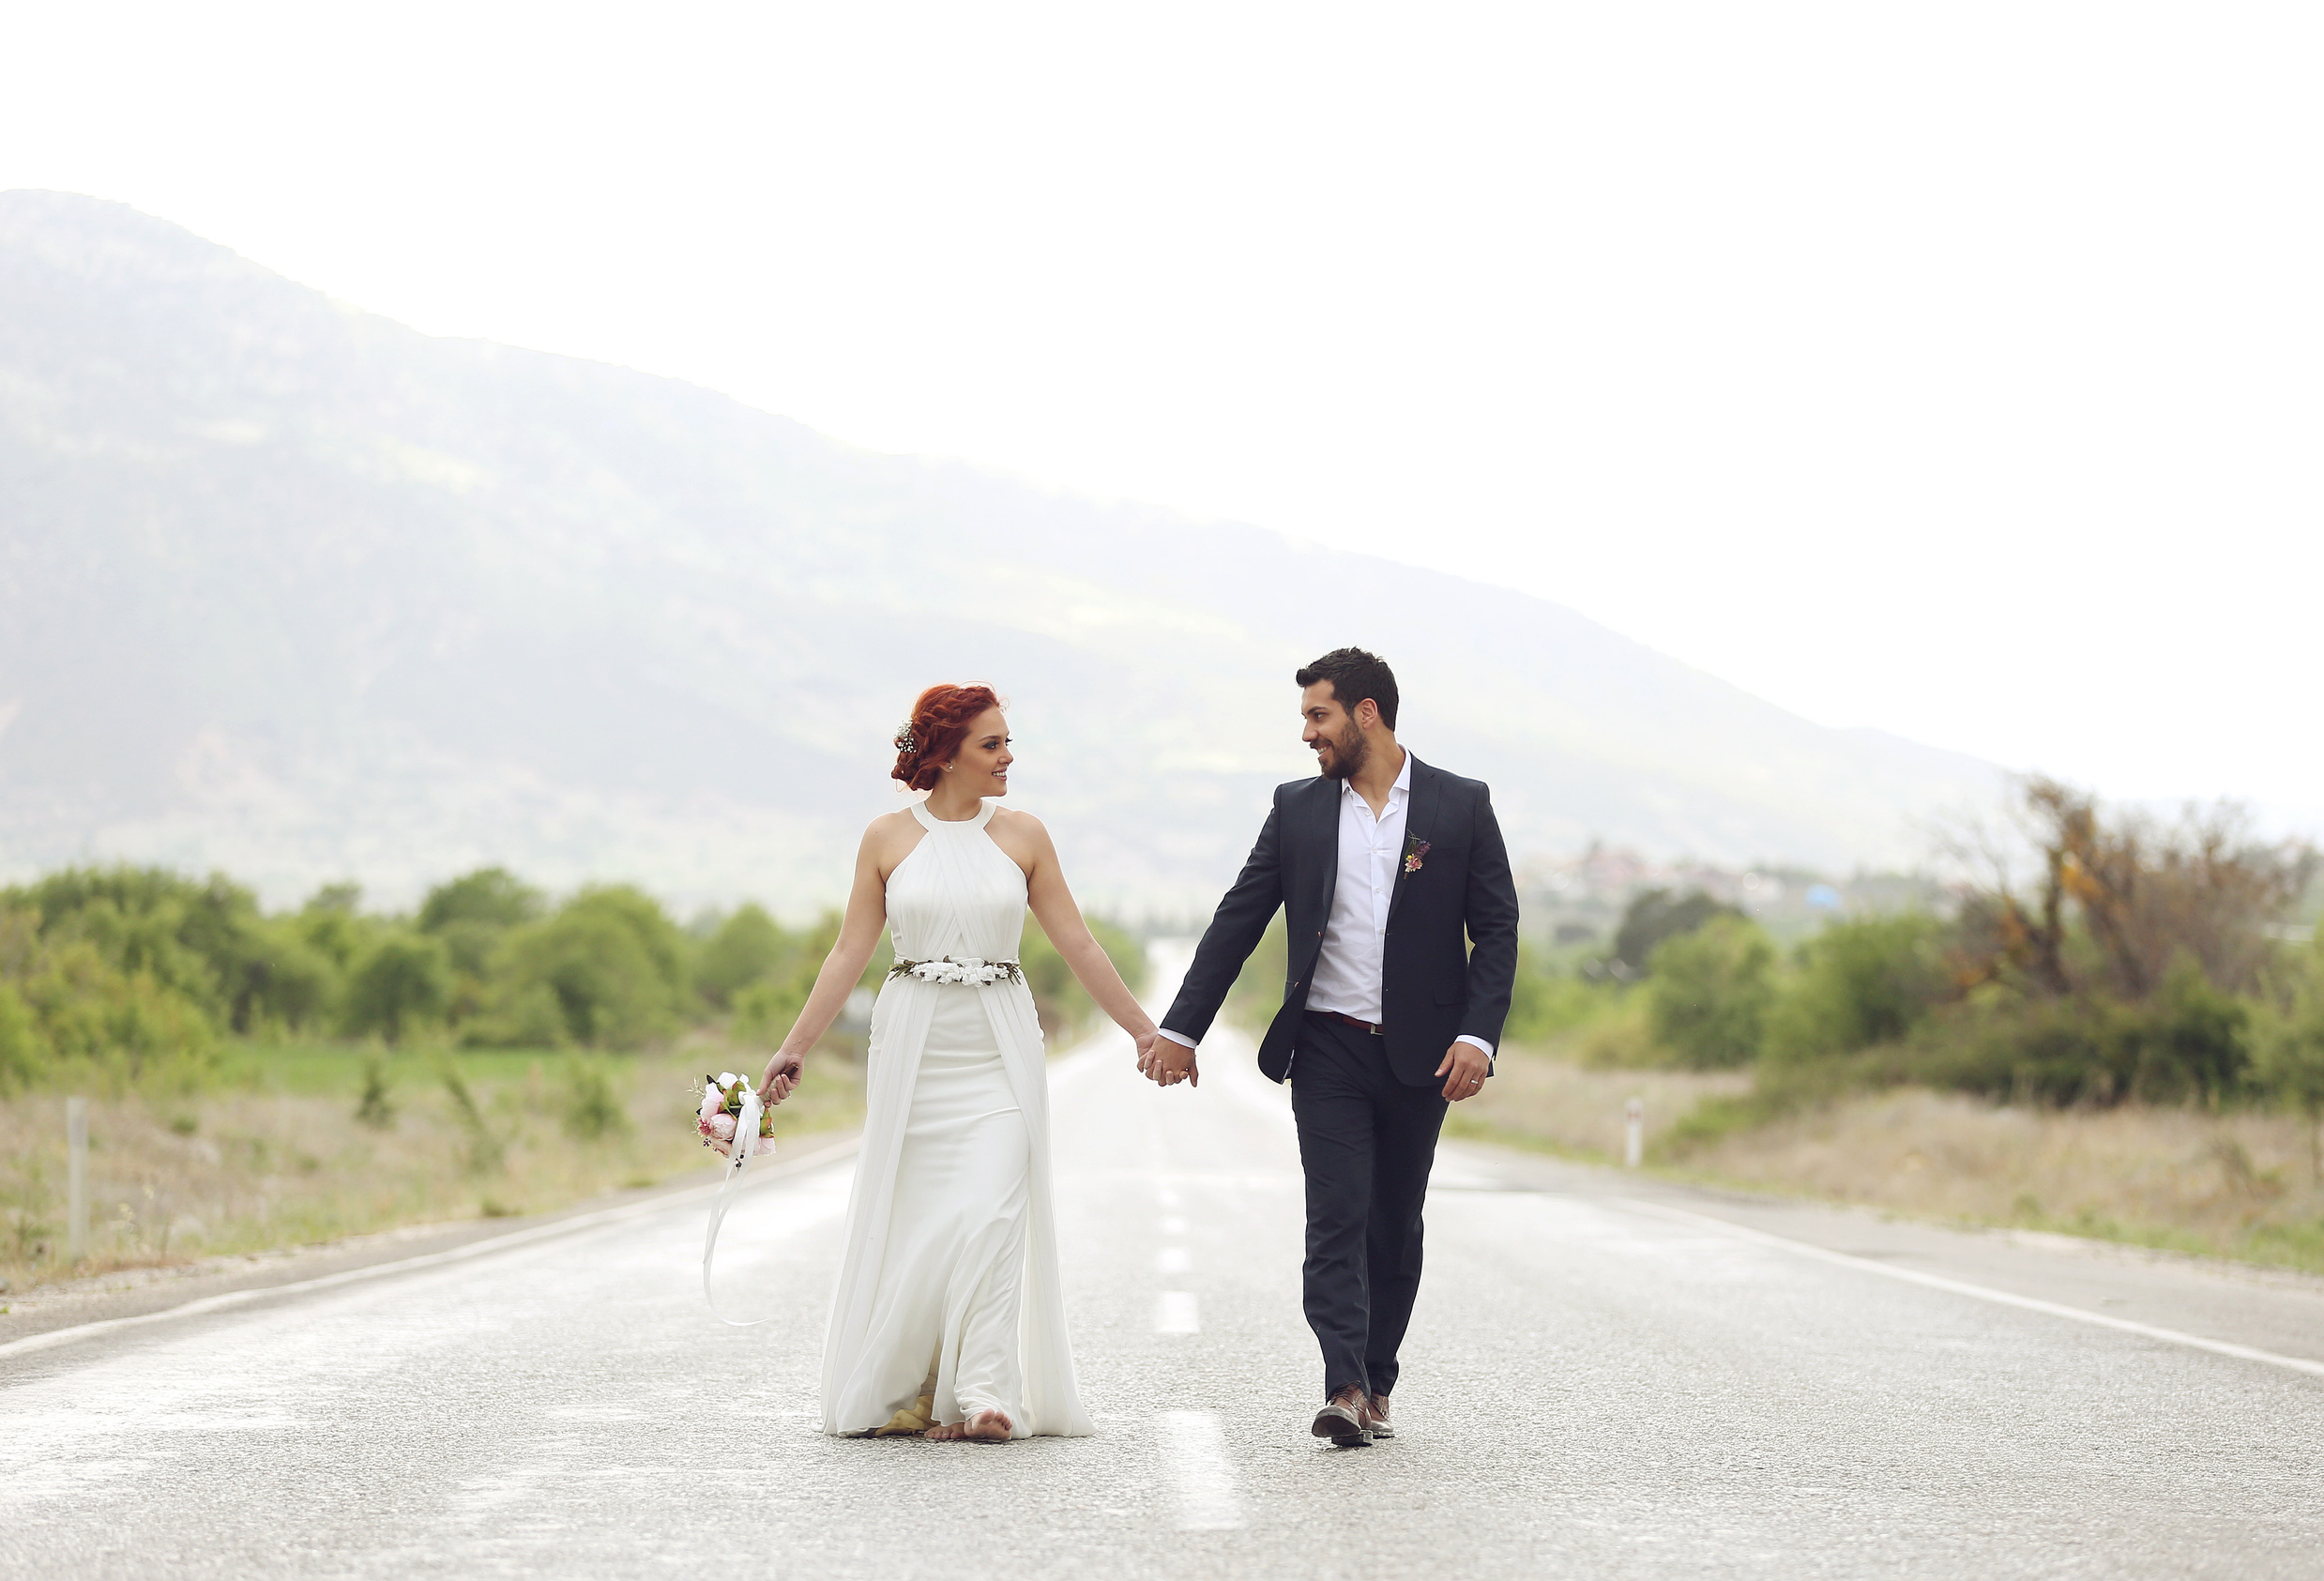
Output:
x=723 y=1127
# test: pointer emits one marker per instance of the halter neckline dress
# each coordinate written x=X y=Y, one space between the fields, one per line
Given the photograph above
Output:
x=949 y=1300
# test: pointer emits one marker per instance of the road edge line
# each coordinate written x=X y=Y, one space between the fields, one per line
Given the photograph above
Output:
x=487 y=1247
x=1983 y=1293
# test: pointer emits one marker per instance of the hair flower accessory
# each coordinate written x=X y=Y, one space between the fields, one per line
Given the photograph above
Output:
x=1415 y=848
x=905 y=742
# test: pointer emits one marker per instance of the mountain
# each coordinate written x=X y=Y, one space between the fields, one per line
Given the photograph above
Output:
x=290 y=589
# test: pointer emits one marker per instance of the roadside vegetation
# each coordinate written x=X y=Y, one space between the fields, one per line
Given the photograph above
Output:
x=2113 y=1027
x=265 y=1079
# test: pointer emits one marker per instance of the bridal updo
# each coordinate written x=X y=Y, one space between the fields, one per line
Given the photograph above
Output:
x=939 y=724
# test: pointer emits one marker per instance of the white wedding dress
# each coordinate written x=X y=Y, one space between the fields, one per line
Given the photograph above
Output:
x=948 y=1301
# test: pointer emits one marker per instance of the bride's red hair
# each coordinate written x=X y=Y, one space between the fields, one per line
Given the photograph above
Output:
x=939 y=723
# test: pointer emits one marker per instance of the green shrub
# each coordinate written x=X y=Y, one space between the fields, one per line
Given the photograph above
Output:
x=2288 y=1044
x=1258 y=991
x=402 y=981
x=611 y=959
x=200 y=941
x=2033 y=1051
x=1861 y=982
x=765 y=1010
x=1658 y=915
x=593 y=1110
x=1066 y=1011
x=374 y=1109
x=664 y=942
x=22 y=1060
x=295 y=986
x=491 y=897
x=747 y=946
x=122 y=1027
x=2191 y=1041
x=520 y=1016
x=1709 y=992
x=2195 y=1039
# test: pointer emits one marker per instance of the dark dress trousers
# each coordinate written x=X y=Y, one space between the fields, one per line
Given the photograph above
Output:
x=1368 y=1105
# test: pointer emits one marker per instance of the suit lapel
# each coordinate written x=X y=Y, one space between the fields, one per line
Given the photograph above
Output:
x=1419 y=820
x=1325 y=830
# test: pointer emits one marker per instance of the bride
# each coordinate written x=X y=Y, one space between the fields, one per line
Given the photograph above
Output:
x=948 y=1320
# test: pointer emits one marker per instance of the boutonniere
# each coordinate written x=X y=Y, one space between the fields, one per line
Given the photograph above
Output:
x=1415 y=848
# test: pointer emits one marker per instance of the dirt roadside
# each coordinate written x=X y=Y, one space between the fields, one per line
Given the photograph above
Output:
x=140 y=1292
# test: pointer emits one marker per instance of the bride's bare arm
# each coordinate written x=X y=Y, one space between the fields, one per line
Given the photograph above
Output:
x=1061 y=919
x=859 y=935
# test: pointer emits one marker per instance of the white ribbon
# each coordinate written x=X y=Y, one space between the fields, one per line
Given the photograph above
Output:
x=746 y=1144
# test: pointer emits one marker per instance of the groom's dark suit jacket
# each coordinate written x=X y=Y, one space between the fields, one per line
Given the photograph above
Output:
x=1433 y=986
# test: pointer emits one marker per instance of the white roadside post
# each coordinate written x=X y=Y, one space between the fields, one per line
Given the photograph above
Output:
x=1633 y=1133
x=76 y=1177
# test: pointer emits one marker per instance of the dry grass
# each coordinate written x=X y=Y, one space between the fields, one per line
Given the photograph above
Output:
x=280 y=1158
x=2236 y=1184
x=1551 y=1103
x=2233 y=1184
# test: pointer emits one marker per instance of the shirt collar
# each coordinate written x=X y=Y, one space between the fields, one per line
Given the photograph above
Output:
x=1399 y=792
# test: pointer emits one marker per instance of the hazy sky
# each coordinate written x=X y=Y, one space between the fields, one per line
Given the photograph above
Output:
x=1951 y=369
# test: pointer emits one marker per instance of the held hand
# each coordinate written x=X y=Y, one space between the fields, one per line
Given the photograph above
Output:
x=1170 y=1063
x=1465 y=1070
x=783 y=1072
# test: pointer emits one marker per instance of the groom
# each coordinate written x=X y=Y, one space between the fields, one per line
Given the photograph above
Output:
x=1380 y=865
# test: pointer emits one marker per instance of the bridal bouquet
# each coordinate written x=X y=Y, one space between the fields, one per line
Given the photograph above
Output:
x=721 y=1113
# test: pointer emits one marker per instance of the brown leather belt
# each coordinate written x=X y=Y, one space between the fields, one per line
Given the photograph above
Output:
x=1349 y=1021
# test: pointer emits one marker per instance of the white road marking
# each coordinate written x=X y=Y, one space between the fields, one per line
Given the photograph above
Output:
x=1177 y=1314
x=1982 y=1293
x=1196 y=1451
x=1173 y=1259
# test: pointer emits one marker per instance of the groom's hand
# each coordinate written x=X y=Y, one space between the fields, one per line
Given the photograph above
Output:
x=1170 y=1063
x=1463 y=1071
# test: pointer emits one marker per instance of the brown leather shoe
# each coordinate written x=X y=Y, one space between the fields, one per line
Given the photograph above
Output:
x=1373 y=1413
x=1342 y=1420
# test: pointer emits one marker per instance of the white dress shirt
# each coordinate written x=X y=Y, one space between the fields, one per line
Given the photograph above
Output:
x=1348 y=969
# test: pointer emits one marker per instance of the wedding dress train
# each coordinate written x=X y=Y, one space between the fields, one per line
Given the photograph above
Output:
x=948 y=1301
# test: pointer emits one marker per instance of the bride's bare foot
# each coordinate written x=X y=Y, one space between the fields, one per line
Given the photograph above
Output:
x=987 y=1427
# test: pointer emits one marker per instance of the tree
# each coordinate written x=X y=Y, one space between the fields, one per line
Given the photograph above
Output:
x=2141 y=892
x=472 y=914
x=1860 y=984
x=405 y=980
x=1655 y=916
x=2290 y=1047
x=490 y=895
x=1709 y=992
x=746 y=947
x=596 y=956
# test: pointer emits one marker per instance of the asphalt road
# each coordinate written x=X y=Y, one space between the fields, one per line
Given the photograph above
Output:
x=1604 y=1379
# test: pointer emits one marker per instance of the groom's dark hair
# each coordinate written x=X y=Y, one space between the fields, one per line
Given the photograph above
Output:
x=1355 y=676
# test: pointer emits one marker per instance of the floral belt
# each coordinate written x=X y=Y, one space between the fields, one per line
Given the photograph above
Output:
x=968 y=969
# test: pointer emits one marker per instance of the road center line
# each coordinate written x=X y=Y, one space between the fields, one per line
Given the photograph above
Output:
x=1196 y=1451
x=1175 y=1313
x=1983 y=1293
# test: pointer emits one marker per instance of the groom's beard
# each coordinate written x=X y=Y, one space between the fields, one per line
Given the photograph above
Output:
x=1349 y=752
